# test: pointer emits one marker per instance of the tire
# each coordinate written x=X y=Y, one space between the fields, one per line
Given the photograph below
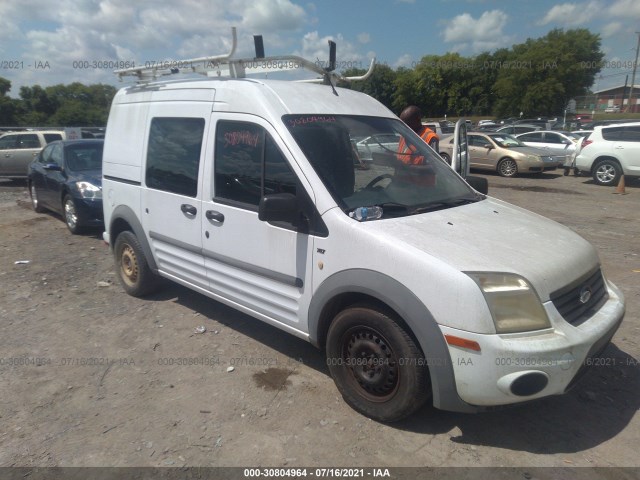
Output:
x=394 y=382
x=70 y=214
x=132 y=268
x=607 y=172
x=507 y=167
x=35 y=203
x=446 y=157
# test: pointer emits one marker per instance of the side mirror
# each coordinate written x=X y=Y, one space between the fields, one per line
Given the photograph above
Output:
x=478 y=183
x=278 y=207
x=53 y=167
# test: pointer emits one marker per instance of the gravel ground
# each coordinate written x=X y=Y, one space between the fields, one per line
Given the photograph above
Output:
x=109 y=390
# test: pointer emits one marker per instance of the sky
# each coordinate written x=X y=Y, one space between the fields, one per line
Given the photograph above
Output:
x=47 y=42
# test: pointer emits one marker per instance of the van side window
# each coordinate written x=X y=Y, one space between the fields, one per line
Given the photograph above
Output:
x=243 y=152
x=173 y=155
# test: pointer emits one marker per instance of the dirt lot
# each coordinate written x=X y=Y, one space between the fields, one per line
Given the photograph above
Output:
x=92 y=377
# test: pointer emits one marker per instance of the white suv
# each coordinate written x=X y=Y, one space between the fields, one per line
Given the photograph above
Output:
x=611 y=151
x=251 y=192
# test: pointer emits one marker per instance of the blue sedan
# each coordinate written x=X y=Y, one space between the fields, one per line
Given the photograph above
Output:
x=66 y=177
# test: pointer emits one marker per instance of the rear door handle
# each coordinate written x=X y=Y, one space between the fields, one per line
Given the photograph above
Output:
x=188 y=210
x=215 y=216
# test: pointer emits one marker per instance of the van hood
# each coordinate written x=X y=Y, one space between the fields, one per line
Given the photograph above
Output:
x=495 y=236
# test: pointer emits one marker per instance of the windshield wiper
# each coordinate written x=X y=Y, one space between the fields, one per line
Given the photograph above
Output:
x=448 y=204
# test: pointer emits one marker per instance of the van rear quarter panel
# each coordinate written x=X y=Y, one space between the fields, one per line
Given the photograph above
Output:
x=124 y=141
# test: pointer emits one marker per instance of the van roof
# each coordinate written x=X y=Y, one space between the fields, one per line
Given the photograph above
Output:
x=257 y=96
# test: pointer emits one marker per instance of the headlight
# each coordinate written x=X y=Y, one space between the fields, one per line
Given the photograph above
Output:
x=89 y=190
x=513 y=303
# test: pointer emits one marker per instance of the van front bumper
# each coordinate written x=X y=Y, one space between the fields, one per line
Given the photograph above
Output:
x=519 y=367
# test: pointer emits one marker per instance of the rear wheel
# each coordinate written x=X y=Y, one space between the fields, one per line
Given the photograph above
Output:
x=446 y=157
x=35 y=203
x=131 y=266
x=71 y=217
x=376 y=365
x=607 y=172
x=507 y=167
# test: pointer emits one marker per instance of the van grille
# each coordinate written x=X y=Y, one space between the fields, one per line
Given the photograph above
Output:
x=580 y=300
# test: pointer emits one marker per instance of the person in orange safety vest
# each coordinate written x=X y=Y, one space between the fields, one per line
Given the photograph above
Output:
x=412 y=116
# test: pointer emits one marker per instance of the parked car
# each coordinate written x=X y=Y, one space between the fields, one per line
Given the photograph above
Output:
x=504 y=154
x=66 y=178
x=583 y=134
x=560 y=144
x=18 y=149
x=612 y=109
x=378 y=143
x=417 y=286
x=487 y=127
x=516 y=129
x=610 y=152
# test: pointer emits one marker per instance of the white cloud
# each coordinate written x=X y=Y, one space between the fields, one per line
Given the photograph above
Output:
x=98 y=30
x=624 y=8
x=364 y=38
x=316 y=48
x=611 y=29
x=275 y=15
x=573 y=14
x=484 y=33
x=405 y=60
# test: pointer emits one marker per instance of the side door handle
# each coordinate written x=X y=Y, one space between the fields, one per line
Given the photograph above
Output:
x=215 y=216
x=188 y=210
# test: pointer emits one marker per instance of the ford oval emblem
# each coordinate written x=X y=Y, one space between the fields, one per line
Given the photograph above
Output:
x=585 y=294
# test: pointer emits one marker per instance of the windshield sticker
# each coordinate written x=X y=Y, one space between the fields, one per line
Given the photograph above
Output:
x=243 y=137
x=294 y=122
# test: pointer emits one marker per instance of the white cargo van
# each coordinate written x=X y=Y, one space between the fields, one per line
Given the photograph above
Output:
x=252 y=192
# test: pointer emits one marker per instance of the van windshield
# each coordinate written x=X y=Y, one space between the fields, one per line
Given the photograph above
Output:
x=377 y=162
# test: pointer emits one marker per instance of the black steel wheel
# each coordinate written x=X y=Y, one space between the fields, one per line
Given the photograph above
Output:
x=376 y=365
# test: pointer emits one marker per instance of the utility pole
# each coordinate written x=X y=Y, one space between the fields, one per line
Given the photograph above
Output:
x=633 y=76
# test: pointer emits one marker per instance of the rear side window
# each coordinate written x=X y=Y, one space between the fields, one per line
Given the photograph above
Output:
x=29 y=140
x=173 y=155
x=631 y=134
x=52 y=137
x=248 y=165
x=613 y=133
x=531 y=137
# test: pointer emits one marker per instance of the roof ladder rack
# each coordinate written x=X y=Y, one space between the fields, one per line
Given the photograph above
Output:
x=226 y=66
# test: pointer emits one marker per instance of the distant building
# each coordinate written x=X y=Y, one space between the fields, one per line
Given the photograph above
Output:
x=617 y=96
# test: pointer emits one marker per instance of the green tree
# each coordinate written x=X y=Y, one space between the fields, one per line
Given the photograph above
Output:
x=380 y=85
x=541 y=75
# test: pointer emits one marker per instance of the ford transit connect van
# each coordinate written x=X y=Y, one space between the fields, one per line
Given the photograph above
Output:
x=252 y=193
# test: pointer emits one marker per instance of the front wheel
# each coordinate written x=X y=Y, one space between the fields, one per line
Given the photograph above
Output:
x=607 y=172
x=507 y=167
x=132 y=268
x=446 y=157
x=376 y=365
x=71 y=217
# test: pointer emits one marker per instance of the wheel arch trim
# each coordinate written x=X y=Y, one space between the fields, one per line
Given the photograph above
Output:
x=411 y=310
x=123 y=213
